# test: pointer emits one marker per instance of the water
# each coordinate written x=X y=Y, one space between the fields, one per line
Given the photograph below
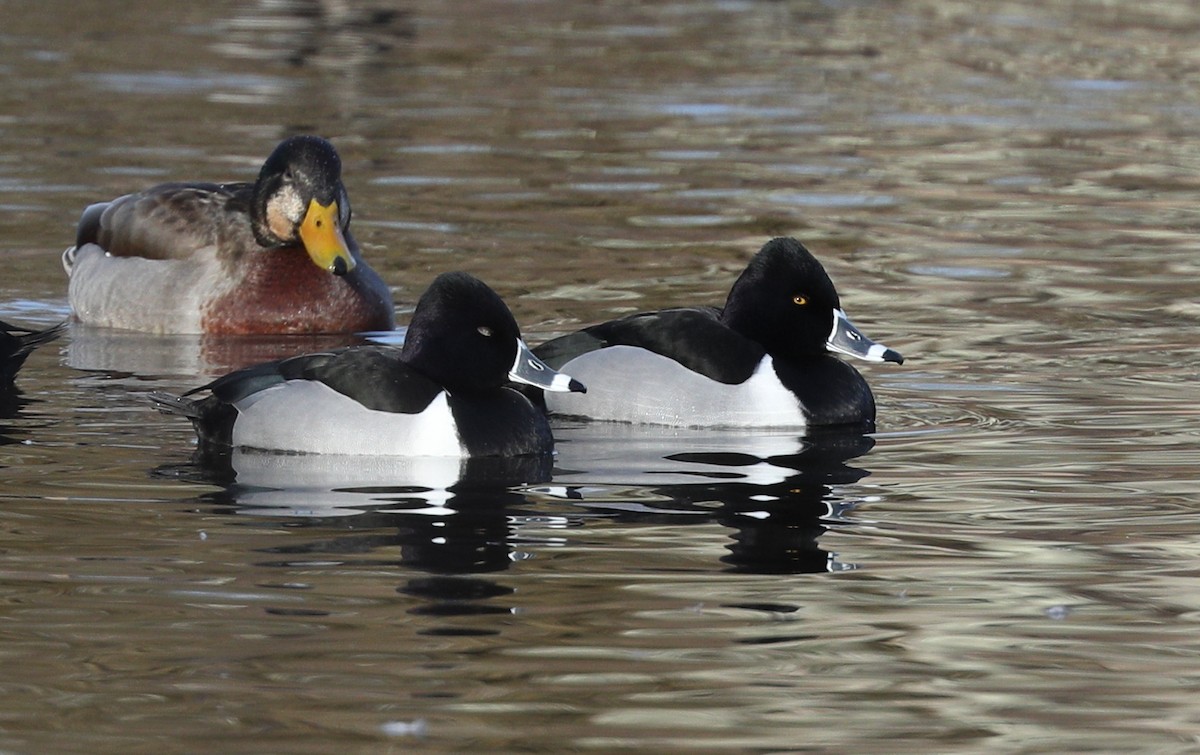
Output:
x=1006 y=194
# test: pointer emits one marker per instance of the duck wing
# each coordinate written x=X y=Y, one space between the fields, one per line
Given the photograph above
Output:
x=170 y=221
x=692 y=336
x=374 y=376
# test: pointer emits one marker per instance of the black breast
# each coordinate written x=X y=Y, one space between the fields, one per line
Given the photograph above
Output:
x=500 y=423
x=831 y=391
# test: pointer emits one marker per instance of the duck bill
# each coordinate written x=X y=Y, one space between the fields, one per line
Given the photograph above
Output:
x=323 y=238
x=849 y=340
x=530 y=370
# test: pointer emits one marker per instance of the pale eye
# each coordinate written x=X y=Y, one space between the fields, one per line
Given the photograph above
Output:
x=800 y=300
x=484 y=331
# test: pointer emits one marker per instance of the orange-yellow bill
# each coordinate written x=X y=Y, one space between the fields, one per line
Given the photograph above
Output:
x=323 y=239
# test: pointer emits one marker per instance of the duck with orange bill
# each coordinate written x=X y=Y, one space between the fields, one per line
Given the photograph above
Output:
x=275 y=256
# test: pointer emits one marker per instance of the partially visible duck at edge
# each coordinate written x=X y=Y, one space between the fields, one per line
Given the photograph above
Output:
x=764 y=360
x=272 y=256
x=444 y=393
x=17 y=343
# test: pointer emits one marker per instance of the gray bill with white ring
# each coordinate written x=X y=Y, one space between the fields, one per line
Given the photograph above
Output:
x=849 y=340
x=530 y=370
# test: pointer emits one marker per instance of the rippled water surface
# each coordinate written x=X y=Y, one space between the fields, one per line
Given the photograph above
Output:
x=1006 y=192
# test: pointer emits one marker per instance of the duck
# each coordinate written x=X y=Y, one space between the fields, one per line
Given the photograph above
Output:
x=270 y=257
x=17 y=343
x=763 y=360
x=445 y=392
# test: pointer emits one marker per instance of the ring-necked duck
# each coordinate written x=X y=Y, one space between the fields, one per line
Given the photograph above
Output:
x=443 y=394
x=761 y=361
x=273 y=256
x=16 y=343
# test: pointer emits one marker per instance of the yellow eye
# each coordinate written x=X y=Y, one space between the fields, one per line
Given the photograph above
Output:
x=800 y=299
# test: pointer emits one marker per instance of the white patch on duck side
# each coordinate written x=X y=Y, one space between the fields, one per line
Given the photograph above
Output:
x=305 y=416
x=134 y=293
x=630 y=384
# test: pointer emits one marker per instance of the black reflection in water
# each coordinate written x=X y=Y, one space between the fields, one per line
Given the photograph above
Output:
x=15 y=406
x=776 y=517
x=453 y=521
x=444 y=518
x=451 y=597
x=11 y=402
x=16 y=344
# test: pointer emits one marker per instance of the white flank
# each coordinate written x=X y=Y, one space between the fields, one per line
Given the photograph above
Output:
x=309 y=417
x=155 y=296
x=628 y=384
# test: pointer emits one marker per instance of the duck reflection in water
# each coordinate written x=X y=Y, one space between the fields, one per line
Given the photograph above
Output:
x=16 y=344
x=777 y=495
x=446 y=518
x=445 y=515
x=126 y=352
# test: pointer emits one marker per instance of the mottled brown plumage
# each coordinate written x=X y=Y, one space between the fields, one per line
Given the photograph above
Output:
x=273 y=256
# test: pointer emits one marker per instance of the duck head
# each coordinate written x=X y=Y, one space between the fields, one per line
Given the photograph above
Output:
x=464 y=337
x=299 y=198
x=785 y=301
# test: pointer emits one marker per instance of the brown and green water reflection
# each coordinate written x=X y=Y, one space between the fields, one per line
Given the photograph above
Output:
x=1005 y=193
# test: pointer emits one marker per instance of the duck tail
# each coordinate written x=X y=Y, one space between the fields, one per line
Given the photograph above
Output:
x=31 y=339
x=17 y=344
x=212 y=419
x=37 y=338
x=169 y=403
